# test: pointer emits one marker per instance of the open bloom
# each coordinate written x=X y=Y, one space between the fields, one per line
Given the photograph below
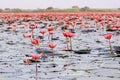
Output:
x=71 y=34
x=36 y=41
x=50 y=28
x=27 y=35
x=108 y=36
x=36 y=56
x=66 y=34
x=32 y=27
x=43 y=31
x=114 y=28
x=51 y=45
x=51 y=32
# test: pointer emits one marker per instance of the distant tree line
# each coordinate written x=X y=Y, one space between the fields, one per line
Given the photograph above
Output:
x=52 y=9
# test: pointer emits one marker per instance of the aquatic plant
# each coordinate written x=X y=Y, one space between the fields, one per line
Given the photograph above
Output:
x=52 y=46
x=108 y=37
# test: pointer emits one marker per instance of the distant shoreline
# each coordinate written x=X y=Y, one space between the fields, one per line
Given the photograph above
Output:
x=51 y=9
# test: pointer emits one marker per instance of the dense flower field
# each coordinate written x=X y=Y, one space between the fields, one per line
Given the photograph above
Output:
x=60 y=46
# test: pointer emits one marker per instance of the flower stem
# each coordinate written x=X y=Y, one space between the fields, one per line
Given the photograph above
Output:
x=36 y=68
x=67 y=43
x=52 y=53
x=14 y=30
x=110 y=47
x=49 y=38
x=71 y=43
x=32 y=34
x=43 y=38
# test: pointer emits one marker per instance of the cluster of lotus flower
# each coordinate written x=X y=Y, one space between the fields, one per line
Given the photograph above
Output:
x=69 y=19
x=37 y=41
x=100 y=20
x=68 y=35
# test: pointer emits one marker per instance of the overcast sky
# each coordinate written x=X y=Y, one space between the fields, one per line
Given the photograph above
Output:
x=32 y=4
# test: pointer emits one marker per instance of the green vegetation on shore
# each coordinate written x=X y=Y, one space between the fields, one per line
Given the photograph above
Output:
x=51 y=9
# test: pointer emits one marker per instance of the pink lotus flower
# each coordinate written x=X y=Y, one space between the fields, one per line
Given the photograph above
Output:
x=108 y=36
x=114 y=28
x=50 y=35
x=50 y=28
x=36 y=56
x=36 y=42
x=27 y=35
x=32 y=27
x=70 y=34
x=43 y=31
x=51 y=45
x=51 y=32
x=66 y=34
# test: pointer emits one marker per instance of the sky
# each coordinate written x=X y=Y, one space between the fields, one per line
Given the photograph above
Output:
x=33 y=4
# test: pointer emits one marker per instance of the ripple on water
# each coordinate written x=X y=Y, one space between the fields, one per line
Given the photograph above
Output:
x=111 y=73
